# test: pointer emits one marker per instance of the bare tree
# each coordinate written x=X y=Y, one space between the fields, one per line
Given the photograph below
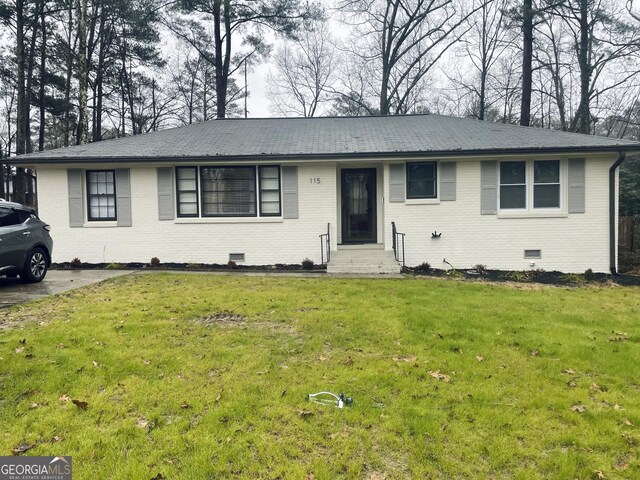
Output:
x=404 y=39
x=305 y=68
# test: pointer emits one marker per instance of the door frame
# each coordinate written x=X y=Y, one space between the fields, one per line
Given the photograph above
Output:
x=373 y=214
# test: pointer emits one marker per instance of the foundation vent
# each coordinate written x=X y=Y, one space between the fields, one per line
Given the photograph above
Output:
x=236 y=257
x=533 y=254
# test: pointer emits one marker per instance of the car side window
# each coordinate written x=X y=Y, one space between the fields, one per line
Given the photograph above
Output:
x=8 y=217
x=23 y=215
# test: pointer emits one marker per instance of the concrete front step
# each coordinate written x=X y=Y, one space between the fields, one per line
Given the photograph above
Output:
x=364 y=260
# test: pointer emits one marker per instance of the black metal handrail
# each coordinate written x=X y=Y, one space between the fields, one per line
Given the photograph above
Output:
x=325 y=245
x=396 y=245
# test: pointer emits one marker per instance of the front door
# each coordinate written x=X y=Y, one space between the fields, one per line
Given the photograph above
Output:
x=359 y=205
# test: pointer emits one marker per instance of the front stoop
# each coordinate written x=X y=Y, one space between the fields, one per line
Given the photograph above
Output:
x=363 y=259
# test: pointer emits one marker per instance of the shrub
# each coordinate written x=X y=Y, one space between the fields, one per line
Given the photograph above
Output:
x=155 y=261
x=76 y=263
x=589 y=275
x=307 y=264
x=481 y=269
x=520 y=275
x=232 y=264
x=424 y=267
x=573 y=278
x=113 y=266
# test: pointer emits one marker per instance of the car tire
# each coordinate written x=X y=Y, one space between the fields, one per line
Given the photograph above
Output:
x=35 y=268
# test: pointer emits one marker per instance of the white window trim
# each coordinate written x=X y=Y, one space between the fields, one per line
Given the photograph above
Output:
x=90 y=223
x=529 y=211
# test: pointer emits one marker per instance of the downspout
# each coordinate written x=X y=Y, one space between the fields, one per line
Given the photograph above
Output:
x=612 y=212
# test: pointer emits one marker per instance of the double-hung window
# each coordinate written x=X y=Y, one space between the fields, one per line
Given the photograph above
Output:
x=530 y=185
x=422 y=180
x=238 y=191
x=101 y=195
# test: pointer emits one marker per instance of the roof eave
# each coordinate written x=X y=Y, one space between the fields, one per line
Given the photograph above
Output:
x=45 y=160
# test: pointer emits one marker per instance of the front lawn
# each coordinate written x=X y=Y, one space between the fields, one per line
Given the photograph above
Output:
x=206 y=376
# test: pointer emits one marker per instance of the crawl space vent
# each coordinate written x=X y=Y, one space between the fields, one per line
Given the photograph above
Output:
x=236 y=257
x=533 y=254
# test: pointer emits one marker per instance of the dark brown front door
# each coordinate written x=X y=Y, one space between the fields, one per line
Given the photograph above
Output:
x=359 y=205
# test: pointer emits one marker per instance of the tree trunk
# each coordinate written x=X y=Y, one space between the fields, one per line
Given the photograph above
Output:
x=43 y=63
x=82 y=74
x=583 y=113
x=29 y=80
x=527 y=59
x=220 y=62
x=20 y=61
x=69 y=74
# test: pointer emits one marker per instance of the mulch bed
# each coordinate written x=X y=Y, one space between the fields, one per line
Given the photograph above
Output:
x=523 y=276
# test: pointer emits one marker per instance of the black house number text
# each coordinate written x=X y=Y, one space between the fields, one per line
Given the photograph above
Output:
x=315 y=180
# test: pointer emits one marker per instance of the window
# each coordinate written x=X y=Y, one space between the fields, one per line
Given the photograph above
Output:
x=513 y=185
x=546 y=184
x=101 y=195
x=530 y=185
x=270 y=191
x=228 y=191
x=187 y=191
x=421 y=180
x=8 y=217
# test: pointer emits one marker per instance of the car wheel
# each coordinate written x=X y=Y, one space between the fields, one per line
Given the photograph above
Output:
x=36 y=266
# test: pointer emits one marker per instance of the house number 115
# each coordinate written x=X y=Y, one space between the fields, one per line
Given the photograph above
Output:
x=314 y=180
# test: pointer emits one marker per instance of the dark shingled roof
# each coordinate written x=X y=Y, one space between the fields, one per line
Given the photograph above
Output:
x=411 y=135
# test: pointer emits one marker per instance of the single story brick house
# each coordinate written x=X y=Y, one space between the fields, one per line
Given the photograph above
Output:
x=262 y=191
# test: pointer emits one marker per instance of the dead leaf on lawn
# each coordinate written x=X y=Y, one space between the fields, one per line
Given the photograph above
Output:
x=219 y=396
x=595 y=388
x=403 y=358
x=439 y=376
x=146 y=424
x=569 y=371
x=619 y=337
x=598 y=474
x=534 y=353
x=20 y=350
x=618 y=407
x=158 y=477
x=305 y=413
x=579 y=408
x=61 y=346
x=572 y=383
x=64 y=398
x=627 y=422
x=146 y=362
x=185 y=406
x=310 y=476
x=322 y=358
x=80 y=404
x=33 y=406
x=479 y=358
x=621 y=465
x=56 y=439
x=347 y=361
x=377 y=476
x=20 y=449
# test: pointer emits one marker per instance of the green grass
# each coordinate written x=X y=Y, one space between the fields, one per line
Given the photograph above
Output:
x=170 y=395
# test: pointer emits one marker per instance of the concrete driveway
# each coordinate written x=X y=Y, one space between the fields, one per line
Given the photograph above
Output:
x=13 y=291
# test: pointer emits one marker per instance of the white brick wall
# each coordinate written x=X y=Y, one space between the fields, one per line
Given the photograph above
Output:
x=572 y=243
x=200 y=241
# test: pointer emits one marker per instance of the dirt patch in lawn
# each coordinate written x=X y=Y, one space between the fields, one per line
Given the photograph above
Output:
x=232 y=319
x=221 y=318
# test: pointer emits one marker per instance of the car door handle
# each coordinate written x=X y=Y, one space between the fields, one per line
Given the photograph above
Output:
x=26 y=233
